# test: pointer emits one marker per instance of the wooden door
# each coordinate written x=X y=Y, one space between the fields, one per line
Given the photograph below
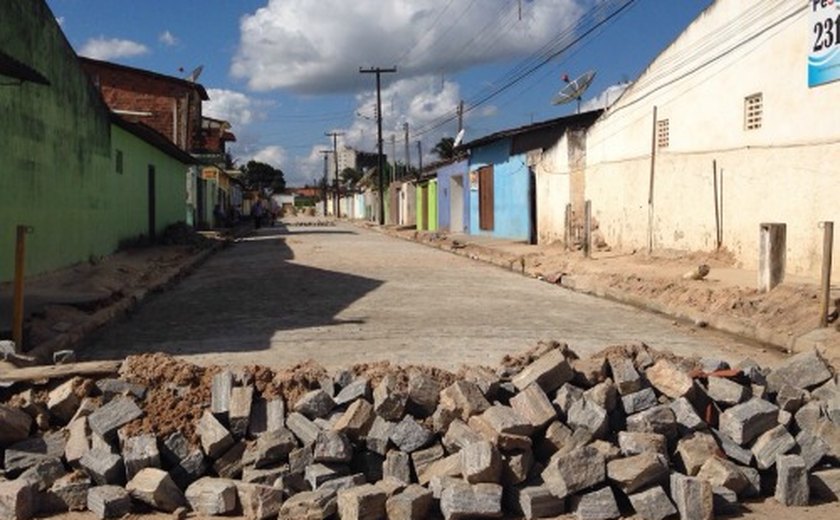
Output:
x=485 y=198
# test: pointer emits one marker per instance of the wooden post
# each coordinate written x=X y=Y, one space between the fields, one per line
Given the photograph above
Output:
x=587 y=229
x=828 y=246
x=17 y=296
x=771 y=255
x=650 y=187
x=717 y=208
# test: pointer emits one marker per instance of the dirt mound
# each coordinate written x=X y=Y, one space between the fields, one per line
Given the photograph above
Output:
x=289 y=383
x=516 y=362
x=376 y=372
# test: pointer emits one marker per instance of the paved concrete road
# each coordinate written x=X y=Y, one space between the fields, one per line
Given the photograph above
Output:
x=344 y=295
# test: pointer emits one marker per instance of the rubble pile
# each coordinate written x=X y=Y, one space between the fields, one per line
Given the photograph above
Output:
x=627 y=431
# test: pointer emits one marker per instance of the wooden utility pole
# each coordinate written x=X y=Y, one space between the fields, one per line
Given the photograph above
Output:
x=17 y=295
x=420 y=156
x=381 y=163
x=825 y=284
x=393 y=157
x=407 y=150
x=461 y=115
x=326 y=154
x=335 y=136
x=650 y=187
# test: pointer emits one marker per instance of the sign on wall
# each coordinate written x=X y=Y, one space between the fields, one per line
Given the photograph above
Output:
x=824 y=57
x=208 y=174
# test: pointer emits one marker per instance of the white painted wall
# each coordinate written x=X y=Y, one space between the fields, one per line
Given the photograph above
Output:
x=787 y=171
x=553 y=192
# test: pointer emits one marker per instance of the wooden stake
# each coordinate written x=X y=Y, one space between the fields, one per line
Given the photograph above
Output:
x=17 y=297
x=587 y=229
x=828 y=246
x=650 y=187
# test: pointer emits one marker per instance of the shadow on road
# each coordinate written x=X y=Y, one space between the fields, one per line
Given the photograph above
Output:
x=238 y=301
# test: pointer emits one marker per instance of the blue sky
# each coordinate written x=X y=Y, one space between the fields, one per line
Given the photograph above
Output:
x=286 y=71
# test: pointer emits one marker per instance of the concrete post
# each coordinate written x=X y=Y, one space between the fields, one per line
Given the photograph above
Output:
x=771 y=256
x=828 y=247
x=567 y=240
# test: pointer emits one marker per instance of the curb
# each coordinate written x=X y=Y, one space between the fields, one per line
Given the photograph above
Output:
x=43 y=352
x=587 y=284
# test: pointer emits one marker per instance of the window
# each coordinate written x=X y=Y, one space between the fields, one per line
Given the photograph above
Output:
x=753 y=111
x=119 y=161
x=663 y=133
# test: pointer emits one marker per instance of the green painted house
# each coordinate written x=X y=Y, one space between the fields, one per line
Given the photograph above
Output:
x=81 y=177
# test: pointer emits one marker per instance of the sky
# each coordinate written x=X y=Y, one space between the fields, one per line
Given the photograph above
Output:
x=285 y=72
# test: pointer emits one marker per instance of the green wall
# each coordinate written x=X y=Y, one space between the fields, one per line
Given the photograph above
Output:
x=57 y=173
x=432 y=217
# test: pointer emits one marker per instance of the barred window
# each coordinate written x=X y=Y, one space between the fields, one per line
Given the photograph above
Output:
x=753 y=111
x=663 y=133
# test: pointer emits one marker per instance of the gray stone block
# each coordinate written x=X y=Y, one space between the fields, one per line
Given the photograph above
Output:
x=231 y=463
x=365 y=502
x=550 y=371
x=464 y=399
x=212 y=496
x=587 y=414
x=68 y=493
x=314 y=404
x=659 y=419
x=481 y=462
x=634 y=473
x=825 y=484
x=462 y=501
x=423 y=394
x=108 y=502
x=597 y=505
x=259 y=502
x=669 y=379
x=379 y=435
x=720 y=472
x=341 y=483
x=566 y=396
x=63 y=401
x=220 y=390
x=627 y=379
x=516 y=467
x=732 y=449
x=533 y=404
x=537 y=502
x=358 y=389
x=103 y=467
x=215 y=438
x=112 y=387
x=311 y=505
x=804 y=370
x=305 y=430
x=239 y=413
x=24 y=454
x=770 y=445
x=652 y=504
x=409 y=436
x=604 y=394
x=397 y=465
x=118 y=412
x=811 y=448
x=388 y=402
x=693 y=497
x=459 y=435
x=639 y=401
x=16 y=425
x=317 y=474
x=725 y=501
x=413 y=503
x=422 y=459
x=791 y=481
x=44 y=473
x=727 y=392
x=333 y=447
x=582 y=468
x=154 y=487
x=695 y=450
x=744 y=422
x=140 y=452
x=273 y=447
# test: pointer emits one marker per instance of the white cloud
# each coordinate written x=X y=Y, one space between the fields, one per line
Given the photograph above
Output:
x=606 y=98
x=102 y=48
x=319 y=46
x=273 y=155
x=168 y=39
x=231 y=106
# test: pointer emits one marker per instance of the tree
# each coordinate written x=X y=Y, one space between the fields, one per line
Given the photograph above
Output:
x=350 y=177
x=259 y=176
x=445 y=148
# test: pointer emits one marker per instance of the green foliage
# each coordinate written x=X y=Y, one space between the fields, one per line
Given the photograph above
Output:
x=258 y=176
x=350 y=177
x=445 y=148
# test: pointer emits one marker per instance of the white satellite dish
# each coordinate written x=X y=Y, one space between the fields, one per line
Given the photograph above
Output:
x=195 y=74
x=574 y=89
x=458 y=139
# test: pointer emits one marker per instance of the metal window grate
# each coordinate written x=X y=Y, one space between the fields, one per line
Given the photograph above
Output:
x=753 y=111
x=663 y=133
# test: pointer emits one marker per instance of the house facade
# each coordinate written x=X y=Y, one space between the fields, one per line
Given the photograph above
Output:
x=453 y=197
x=723 y=122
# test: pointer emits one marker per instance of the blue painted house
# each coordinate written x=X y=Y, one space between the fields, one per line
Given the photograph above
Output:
x=502 y=191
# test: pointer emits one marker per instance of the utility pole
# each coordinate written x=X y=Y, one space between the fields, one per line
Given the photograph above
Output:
x=394 y=156
x=326 y=154
x=407 y=150
x=335 y=136
x=420 y=155
x=379 y=71
x=461 y=115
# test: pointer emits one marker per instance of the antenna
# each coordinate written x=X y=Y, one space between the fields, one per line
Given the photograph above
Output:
x=195 y=74
x=574 y=89
x=458 y=138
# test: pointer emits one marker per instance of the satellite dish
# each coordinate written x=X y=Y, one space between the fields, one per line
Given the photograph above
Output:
x=458 y=138
x=574 y=89
x=195 y=74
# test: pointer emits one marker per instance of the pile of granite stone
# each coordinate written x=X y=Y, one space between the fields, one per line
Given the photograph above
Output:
x=627 y=432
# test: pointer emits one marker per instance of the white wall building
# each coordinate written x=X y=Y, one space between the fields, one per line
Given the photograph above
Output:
x=733 y=88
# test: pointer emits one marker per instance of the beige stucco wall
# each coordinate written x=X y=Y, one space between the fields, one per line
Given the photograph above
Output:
x=787 y=171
